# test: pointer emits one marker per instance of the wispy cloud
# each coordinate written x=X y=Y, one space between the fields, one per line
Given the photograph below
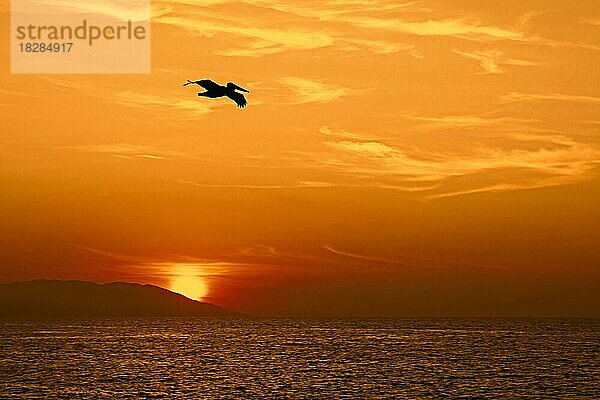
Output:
x=362 y=257
x=142 y=100
x=404 y=260
x=266 y=40
x=592 y=21
x=197 y=3
x=335 y=10
x=378 y=46
x=185 y=108
x=354 y=13
x=460 y=121
x=517 y=96
x=309 y=91
x=263 y=40
x=375 y=16
x=542 y=160
x=137 y=10
x=492 y=61
x=449 y=27
x=127 y=150
x=369 y=150
x=298 y=185
x=344 y=134
x=12 y=92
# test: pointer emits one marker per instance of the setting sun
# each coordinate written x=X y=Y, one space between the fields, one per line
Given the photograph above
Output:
x=187 y=282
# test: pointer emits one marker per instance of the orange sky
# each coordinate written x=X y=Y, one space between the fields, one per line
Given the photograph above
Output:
x=426 y=158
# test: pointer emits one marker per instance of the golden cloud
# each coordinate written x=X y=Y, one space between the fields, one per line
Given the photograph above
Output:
x=546 y=160
x=309 y=91
x=492 y=61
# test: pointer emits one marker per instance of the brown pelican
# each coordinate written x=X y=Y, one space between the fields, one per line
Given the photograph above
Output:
x=214 y=90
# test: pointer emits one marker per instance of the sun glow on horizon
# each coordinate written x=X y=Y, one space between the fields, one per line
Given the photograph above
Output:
x=188 y=282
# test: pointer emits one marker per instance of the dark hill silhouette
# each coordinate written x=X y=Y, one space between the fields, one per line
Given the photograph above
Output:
x=55 y=299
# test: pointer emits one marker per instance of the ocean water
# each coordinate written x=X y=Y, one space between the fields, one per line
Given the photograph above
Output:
x=294 y=358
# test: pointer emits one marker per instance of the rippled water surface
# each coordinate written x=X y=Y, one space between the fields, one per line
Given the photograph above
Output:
x=238 y=359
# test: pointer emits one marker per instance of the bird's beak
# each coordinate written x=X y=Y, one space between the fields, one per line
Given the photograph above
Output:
x=243 y=90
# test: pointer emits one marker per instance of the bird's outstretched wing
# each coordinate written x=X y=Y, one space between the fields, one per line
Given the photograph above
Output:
x=204 y=83
x=239 y=99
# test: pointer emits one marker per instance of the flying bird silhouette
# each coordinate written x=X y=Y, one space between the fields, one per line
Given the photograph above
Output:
x=214 y=90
